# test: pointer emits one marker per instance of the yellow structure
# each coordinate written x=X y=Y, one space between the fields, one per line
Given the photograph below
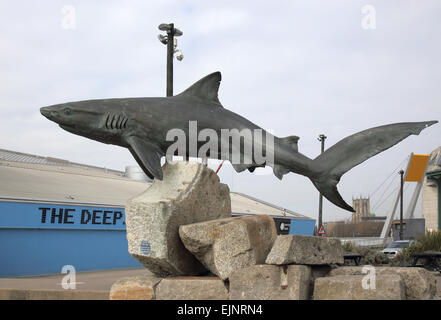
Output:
x=417 y=167
x=415 y=172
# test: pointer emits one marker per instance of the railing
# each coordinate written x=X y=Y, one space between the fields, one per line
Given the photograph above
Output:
x=367 y=241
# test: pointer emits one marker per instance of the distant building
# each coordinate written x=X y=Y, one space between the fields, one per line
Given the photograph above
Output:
x=362 y=224
x=412 y=229
x=374 y=218
x=351 y=229
x=362 y=209
x=431 y=192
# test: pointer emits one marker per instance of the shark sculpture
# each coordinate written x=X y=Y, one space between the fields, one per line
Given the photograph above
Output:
x=142 y=124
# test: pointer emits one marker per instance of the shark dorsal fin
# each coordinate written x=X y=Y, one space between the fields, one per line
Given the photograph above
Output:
x=292 y=141
x=205 y=89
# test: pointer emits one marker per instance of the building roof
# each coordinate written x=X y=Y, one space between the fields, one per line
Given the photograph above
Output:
x=245 y=204
x=20 y=157
x=435 y=159
x=433 y=169
x=434 y=174
x=28 y=181
x=33 y=178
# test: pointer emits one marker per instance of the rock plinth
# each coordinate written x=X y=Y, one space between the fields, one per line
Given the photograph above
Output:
x=192 y=288
x=419 y=284
x=189 y=193
x=270 y=282
x=307 y=250
x=387 y=287
x=134 y=288
x=226 y=245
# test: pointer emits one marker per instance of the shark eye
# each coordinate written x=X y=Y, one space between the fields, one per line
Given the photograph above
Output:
x=67 y=111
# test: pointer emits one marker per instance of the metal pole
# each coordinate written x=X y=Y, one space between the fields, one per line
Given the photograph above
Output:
x=172 y=32
x=170 y=51
x=401 y=204
x=321 y=138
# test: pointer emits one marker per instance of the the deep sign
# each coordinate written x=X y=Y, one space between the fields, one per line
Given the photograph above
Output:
x=48 y=216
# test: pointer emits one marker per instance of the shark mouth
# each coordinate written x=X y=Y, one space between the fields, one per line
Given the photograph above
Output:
x=69 y=127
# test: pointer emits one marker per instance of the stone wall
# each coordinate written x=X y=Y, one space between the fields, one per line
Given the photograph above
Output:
x=430 y=193
x=430 y=204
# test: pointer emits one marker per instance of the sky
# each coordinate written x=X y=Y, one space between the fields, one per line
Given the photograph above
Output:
x=300 y=68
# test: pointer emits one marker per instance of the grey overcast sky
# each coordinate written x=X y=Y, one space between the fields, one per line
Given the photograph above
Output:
x=295 y=67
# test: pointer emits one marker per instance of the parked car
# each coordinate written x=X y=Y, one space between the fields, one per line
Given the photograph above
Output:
x=396 y=247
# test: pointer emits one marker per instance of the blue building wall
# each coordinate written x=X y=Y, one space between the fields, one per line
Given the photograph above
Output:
x=40 y=238
x=302 y=227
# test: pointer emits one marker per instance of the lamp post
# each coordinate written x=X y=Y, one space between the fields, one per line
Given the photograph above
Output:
x=322 y=139
x=171 y=43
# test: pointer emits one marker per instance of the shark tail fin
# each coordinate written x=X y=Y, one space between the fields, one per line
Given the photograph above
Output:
x=355 y=149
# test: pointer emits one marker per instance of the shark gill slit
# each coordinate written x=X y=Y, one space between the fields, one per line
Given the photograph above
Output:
x=115 y=121
x=107 y=121
x=113 y=125
x=123 y=123
x=118 y=120
x=111 y=121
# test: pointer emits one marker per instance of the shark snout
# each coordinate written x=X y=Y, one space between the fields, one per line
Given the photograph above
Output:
x=49 y=112
x=46 y=111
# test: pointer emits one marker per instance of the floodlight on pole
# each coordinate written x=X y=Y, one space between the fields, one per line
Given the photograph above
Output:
x=172 y=48
x=162 y=38
x=171 y=43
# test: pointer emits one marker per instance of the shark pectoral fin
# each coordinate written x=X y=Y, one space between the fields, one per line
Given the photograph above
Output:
x=147 y=155
x=280 y=171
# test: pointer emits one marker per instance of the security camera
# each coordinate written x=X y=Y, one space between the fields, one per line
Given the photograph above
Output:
x=162 y=38
x=179 y=55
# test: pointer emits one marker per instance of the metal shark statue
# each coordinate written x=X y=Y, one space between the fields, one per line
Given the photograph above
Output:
x=141 y=125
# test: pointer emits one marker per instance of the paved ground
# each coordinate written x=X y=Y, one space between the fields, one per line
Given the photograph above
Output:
x=89 y=285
